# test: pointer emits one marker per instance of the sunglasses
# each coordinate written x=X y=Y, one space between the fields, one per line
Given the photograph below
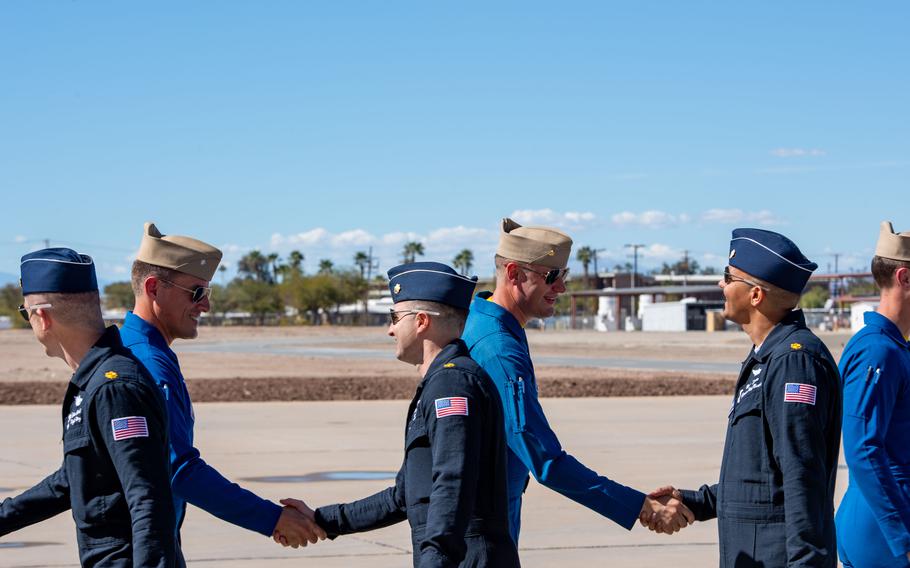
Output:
x=730 y=279
x=396 y=316
x=199 y=292
x=26 y=312
x=550 y=276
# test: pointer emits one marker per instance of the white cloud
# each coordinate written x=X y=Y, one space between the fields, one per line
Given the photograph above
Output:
x=763 y=217
x=20 y=239
x=308 y=238
x=357 y=238
x=660 y=251
x=797 y=152
x=568 y=220
x=652 y=218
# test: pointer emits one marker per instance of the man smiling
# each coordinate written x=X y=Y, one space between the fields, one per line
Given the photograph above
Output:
x=170 y=279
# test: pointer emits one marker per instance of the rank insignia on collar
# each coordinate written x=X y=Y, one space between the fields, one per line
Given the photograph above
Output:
x=796 y=346
x=397 y=288
x=111 y=375
x=449 y=365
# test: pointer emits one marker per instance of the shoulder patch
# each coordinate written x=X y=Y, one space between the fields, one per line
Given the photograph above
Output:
x=111 y=375
x=796 y=346
x=449 y=365
x=451 y=406
x=129 y=427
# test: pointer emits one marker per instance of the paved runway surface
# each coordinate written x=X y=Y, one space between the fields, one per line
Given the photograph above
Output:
x=644 y=442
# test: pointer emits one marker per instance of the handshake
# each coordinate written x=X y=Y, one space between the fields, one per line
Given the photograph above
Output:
x=297 y=525
x=664 y=512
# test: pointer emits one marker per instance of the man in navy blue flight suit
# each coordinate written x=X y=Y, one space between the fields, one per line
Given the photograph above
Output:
x=873 y=520
x=452 y=485
x=774 y=501
x=115 y=468
x=170 y=279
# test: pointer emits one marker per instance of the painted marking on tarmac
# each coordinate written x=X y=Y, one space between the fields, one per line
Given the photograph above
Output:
x=24 y=544
x=326 y=476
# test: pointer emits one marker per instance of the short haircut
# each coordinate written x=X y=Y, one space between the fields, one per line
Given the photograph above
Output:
x=779 y=298
x=449 y=315
x=500 y=263
x=883 y=270
x=81 y=309
x=142 y=270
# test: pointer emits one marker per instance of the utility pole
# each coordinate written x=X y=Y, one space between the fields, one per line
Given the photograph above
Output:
x=597 y=279
x=634 y=248
x=685 y=267
x=47 y=243
x=371 y=265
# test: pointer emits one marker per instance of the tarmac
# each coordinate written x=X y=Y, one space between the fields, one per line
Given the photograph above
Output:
x=643 y=442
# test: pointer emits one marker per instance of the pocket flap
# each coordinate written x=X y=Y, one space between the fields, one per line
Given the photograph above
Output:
x=76 y=442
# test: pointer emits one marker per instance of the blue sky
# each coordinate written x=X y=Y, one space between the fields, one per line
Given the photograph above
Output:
x=331 y=127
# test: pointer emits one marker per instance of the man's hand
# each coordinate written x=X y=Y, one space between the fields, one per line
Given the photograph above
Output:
x=297 y=526
x=664 y=512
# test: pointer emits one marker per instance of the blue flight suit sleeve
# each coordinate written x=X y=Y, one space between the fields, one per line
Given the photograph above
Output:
x=142 y=467
x=798 y=436
x=530 y=437
x=873 y=381
x=374 y=512
x=192 y=478
x=456 y=441
x=48 y=498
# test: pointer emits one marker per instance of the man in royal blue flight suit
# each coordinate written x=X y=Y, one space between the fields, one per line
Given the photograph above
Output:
x=170 y=279
x=873 y=520
x=530 y=275
x=775 y=499
x=452 y=485
x=115 y=468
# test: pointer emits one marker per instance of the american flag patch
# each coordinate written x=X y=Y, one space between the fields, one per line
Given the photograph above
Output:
x=129 y=427
x=798 y=392
x=451 y=406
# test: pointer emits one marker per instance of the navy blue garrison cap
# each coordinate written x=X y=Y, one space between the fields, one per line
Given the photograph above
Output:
x=432 y=282
x=59 y=270
x=772 y=257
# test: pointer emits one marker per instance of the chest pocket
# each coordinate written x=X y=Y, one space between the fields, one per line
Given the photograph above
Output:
x=516 y=404
x=745 y=466
x=418 y=463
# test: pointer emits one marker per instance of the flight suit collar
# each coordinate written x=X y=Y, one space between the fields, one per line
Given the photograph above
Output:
x=887 y=327
x=792 y=322
x=143 y=327
x=456 y=348
x=483 y=305
x=109 y=340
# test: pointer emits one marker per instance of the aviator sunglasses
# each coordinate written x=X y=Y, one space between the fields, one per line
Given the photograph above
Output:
x=730 y=279
x=550 y=276
x=26 y=312
x=395 y=316
x=199 y=292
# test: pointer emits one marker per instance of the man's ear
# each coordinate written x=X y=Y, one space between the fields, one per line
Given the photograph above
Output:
x=757 y=296
x=902 y=277
x=423 y=321
x=150 y=287
x=513 y=271
x=44 y=318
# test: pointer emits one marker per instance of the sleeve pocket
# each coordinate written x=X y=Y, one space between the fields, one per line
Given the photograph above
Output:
x=516 y=404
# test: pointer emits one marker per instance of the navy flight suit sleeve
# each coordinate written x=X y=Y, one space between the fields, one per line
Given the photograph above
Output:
x=48 y=498
x=798 y=440
x=456 y=442
x=374 y=512
x=702 y=503
x=142 y=467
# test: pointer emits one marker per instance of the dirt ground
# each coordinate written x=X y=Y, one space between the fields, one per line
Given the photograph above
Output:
x=345 y=363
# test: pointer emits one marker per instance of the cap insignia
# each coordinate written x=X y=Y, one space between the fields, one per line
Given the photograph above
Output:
x=202 y=262
x=796 y=346
x=397 y=288
x=111 y=375
x=732 y=253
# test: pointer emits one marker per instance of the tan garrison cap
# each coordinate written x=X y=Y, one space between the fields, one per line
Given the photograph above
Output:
x=183 y=254
x=893 y=245
x=534 y=245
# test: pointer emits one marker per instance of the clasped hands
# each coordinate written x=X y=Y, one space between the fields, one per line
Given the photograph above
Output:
x=297 y=525
x=664 y=512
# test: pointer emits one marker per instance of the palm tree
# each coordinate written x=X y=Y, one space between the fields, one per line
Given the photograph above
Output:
x=463 y=261
x=326 y=266
x=361 y=260
x=585 y=255
x=275 y=266
x=295 y=260
x=411 y=251
x=254 y=266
